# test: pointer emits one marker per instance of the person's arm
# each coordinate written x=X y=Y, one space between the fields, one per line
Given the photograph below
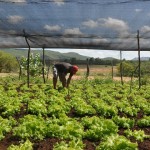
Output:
x=69 y=79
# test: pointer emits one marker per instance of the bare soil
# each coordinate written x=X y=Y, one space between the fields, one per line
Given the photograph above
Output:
x=48 y=143
x=8 y=74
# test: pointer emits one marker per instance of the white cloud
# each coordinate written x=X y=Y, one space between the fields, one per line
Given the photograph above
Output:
x=115 y=24
x=90 y=24
x=8 y=31
x=52 y=28
x=145 y=34
x=138 y=10
x=145 y=29
x=100 y=40
x=6 y=43
x=15 y=19
x=9 y=42
x=144 y=42
x=148 y=14
x=16 y=1
x=59 y=2
x=74 y=31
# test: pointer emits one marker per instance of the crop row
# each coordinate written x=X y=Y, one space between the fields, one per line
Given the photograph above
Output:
x=94 y=110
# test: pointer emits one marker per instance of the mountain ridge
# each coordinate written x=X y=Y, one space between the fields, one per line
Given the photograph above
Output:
x=49 y=54
x=142 y=58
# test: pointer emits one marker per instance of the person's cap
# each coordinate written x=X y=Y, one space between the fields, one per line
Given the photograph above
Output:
x=74 y=69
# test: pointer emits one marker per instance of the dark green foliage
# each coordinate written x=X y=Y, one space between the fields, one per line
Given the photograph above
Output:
x=8 y=63
x=130 y=68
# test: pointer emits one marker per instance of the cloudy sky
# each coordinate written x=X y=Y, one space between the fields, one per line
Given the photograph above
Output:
x=82 y=24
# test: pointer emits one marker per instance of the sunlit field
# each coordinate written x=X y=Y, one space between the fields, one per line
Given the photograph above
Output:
x=94 y=71
x=97 y=70
x=86 y=116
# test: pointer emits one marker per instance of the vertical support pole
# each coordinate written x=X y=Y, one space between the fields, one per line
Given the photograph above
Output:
x=48 y=71
x=43 y=64
x=88 y=70
x=28 y=62
x=112 y=69
x=139 y=58
x=20 y=70
x=121 y=68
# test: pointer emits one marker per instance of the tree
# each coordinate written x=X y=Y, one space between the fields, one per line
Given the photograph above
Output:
x=73 y=60
x=98 y=61
x=35 y=65
x=8 y=63
x=128 y=68
x=91 y=61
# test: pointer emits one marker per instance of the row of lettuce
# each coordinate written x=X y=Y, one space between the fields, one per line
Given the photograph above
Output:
x=94 y=110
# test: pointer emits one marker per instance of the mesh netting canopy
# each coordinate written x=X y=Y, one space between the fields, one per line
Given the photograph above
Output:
x=90 y=24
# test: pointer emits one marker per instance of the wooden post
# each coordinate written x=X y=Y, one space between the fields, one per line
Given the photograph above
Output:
x=20 y=70
x=88 y=70
x=132 y=78
x=121 y=68
x=28 y=63
x=112 y=69
x=139 y=58
x=48 y=69
x=43 y=64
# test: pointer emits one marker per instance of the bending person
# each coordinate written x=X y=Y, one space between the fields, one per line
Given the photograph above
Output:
x=61 y=70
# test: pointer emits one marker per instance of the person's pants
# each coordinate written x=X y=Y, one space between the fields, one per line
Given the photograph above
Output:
x=62 y=77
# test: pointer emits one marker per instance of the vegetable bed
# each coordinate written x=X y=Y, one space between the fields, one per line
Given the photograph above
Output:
x=90 y=115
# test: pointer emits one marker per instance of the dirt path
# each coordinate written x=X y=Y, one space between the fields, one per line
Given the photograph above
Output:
x=8 y=74
x=78 y=77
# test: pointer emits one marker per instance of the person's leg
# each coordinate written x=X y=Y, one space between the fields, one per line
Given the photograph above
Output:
x=55 y=76
x=62 y=78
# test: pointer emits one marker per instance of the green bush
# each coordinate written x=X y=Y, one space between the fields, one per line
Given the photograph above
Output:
x=8 y=63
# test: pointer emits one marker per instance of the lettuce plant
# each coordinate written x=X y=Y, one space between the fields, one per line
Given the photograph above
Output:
x=116 y=142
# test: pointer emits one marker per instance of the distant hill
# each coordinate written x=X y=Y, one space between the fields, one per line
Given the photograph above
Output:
x=109 y=58
x=142 y=58
x=52 y=55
